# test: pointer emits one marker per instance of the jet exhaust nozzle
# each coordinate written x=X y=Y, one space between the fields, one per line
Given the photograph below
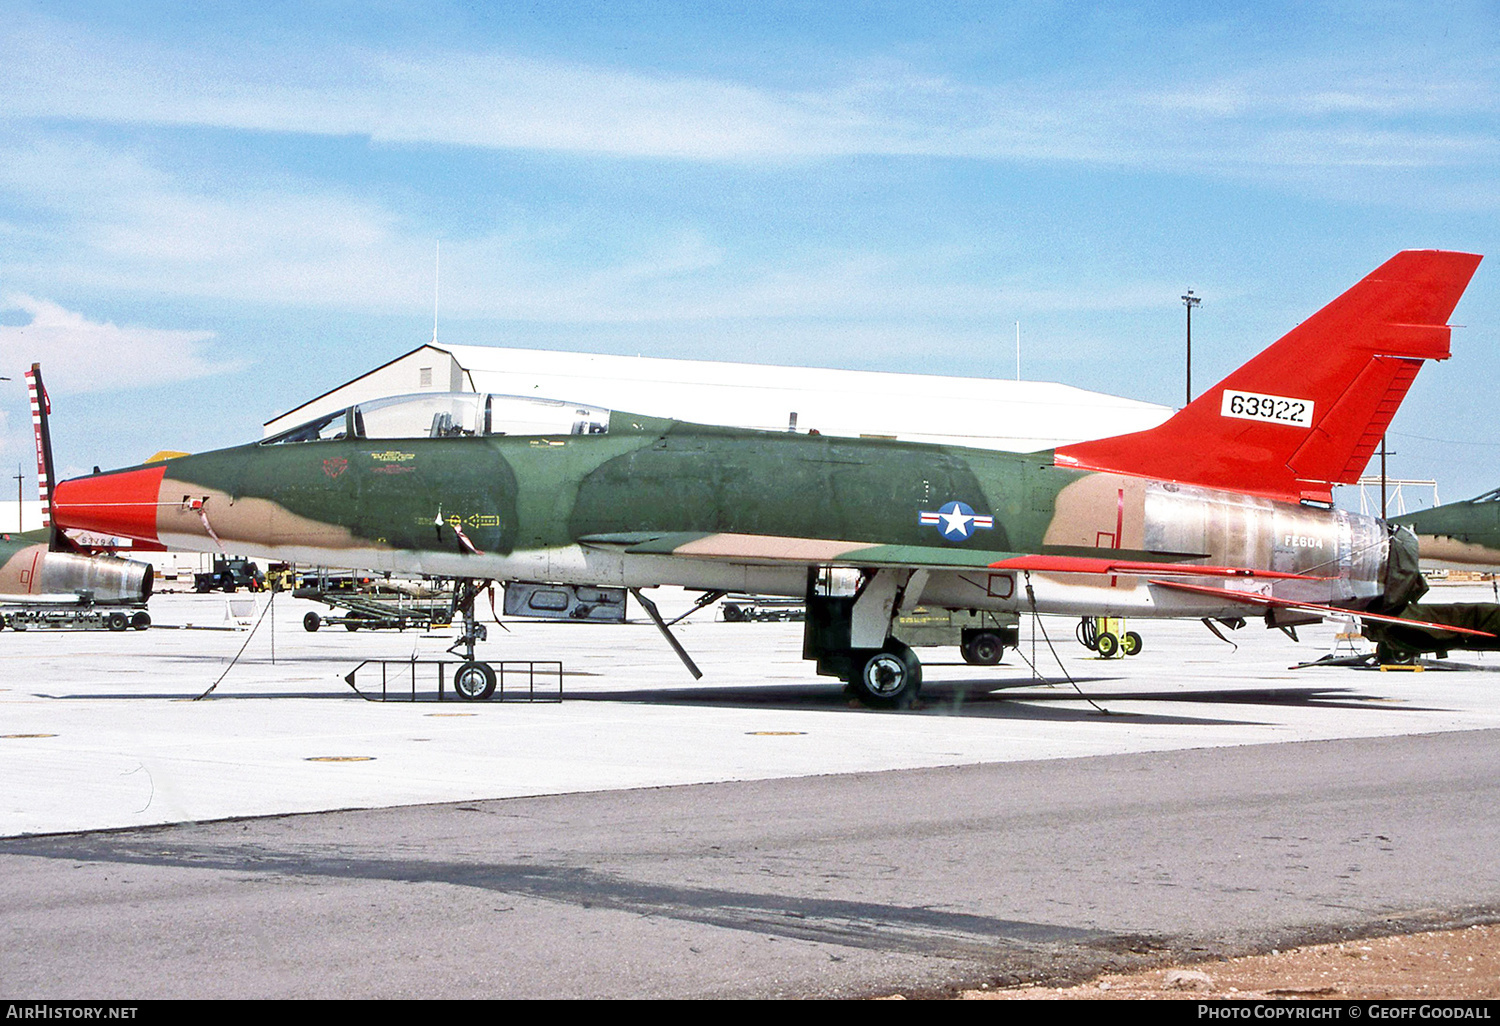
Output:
x=109 y=579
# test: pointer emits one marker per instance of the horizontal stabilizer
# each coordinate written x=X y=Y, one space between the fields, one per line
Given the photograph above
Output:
x=1271 y=602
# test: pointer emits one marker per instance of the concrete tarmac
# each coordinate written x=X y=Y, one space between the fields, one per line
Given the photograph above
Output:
x=750 y=834
x=914 y=881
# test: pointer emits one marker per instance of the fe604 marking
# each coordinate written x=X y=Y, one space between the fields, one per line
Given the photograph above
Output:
x=1278 y=409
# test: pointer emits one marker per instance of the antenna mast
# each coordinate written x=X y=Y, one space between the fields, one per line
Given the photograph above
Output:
x=437 y=260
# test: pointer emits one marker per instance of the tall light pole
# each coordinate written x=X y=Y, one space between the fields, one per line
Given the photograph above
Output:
x=1382 y=477
x=1190 y=301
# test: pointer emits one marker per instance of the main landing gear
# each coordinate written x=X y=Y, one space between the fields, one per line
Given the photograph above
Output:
x=850 y=636
x=891 y=676
x=474 y=680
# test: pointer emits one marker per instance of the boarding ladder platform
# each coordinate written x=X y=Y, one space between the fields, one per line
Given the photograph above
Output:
x=429 y=680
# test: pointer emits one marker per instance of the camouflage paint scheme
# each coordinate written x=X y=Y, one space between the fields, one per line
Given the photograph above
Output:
x=1459 y=534
x=21 y=555
x=663 y=502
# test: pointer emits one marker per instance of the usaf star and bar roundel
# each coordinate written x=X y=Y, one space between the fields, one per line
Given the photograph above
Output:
x=956 y=521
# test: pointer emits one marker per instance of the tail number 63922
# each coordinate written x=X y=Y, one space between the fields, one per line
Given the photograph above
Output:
x=1278 y=409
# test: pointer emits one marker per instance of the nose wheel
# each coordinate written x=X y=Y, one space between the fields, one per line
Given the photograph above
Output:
x=474 y=680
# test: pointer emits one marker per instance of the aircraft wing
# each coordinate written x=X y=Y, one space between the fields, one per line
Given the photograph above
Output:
x=1269 y=601
x=1049 y=564
x=774 y=549
x=771 y=550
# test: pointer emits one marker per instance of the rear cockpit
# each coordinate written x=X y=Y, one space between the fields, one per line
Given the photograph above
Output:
x=450 y=415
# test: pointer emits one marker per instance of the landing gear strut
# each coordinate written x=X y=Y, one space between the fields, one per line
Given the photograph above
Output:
x=850 y=637
x=474 y=680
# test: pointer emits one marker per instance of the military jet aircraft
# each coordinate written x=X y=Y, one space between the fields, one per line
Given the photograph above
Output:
x=31 y=571
x=1465 y=535
x=33 y=567
x=1460 y=533
x=1224 y=509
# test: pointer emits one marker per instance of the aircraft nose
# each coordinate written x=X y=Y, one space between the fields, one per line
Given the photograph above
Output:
x=122 y=504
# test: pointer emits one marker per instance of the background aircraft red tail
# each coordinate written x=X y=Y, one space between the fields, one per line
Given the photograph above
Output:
x=1309 y=410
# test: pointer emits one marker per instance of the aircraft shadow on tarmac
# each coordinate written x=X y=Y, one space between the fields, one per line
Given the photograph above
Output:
x=863 y=924
x=325 y=691
x=997 y=699
x=1050 y=700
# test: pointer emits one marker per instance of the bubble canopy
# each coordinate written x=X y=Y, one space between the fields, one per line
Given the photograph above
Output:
x=450 y=415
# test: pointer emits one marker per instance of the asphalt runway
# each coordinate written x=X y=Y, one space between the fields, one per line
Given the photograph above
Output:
x=748 y=835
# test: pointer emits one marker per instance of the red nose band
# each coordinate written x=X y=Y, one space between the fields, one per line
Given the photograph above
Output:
x=122 y=504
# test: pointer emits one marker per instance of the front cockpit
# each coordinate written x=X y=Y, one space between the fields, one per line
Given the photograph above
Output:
x=450 y=415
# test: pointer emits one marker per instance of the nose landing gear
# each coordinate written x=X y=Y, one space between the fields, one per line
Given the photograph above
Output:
x=474 y=680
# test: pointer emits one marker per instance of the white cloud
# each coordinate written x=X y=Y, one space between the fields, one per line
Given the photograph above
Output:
x=80 y=355
x=1206 y=120
x=114 y=221
x=111 y=219
x=688 y=280
x=118 y=224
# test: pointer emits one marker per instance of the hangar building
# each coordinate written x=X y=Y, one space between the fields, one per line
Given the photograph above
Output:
x=1019 y=416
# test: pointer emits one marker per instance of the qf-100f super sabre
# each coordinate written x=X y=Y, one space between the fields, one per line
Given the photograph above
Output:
x=1223 y=509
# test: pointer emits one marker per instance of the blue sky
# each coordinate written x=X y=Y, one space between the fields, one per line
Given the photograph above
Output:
x=212 y=212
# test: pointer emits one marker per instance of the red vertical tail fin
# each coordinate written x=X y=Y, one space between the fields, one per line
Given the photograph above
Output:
x=1308 y=411
x=41 y=407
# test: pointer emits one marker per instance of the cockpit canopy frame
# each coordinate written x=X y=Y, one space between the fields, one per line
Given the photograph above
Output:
x=449 y=415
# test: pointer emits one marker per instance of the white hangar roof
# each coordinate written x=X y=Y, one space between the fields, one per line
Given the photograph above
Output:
x=1020 y=416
